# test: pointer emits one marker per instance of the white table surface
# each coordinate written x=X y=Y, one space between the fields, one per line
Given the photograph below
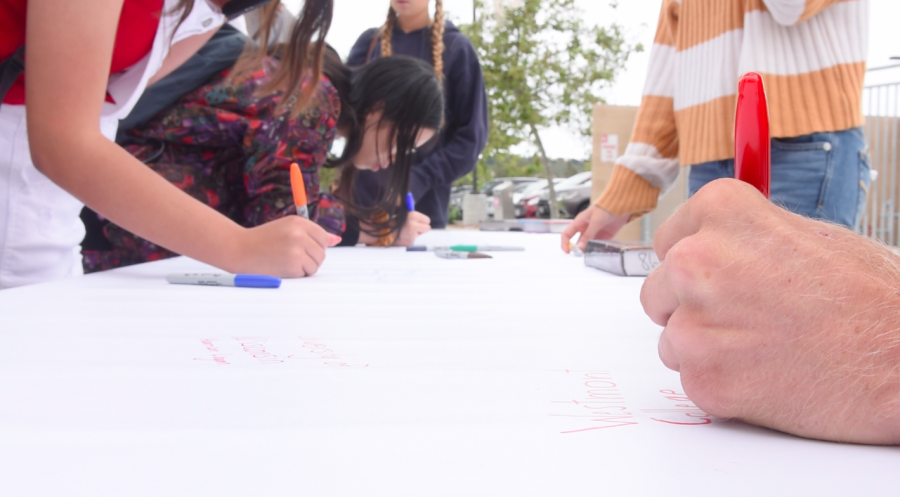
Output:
x=388 y=374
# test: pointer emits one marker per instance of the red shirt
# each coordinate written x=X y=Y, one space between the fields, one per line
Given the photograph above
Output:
x=134 y=38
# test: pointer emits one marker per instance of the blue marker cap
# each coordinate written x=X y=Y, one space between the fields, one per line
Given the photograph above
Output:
x=410 y=202
x=256 y=281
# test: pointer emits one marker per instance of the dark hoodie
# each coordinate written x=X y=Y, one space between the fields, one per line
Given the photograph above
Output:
x=465 y=129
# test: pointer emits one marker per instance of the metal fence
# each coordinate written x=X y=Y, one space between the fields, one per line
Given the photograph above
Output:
x=881 y=105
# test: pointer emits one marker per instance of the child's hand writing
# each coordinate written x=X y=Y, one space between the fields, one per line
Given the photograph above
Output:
x=290 y=247
x=416 y=224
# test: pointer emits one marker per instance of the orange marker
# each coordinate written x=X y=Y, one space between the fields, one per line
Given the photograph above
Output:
x=298 y=187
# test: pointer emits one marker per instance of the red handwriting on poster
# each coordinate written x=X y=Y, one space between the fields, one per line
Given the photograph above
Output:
x=683 y=412
x=256 y=347
x=269 y=351
x=217 y=357
x=598 y=406
x=315 y=349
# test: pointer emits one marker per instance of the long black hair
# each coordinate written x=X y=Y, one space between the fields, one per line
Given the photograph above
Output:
x=410 y=99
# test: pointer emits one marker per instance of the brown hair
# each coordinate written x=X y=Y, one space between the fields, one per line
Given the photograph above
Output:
x=437 y=37
x=314 y=19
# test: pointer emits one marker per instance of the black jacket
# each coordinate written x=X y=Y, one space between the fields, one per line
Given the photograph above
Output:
x=465 y=130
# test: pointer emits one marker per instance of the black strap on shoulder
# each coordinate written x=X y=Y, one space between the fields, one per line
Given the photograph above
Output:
x=10 y=69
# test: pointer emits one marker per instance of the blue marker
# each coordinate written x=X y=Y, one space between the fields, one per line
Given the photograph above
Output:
x=410 y=202
x=239 y=280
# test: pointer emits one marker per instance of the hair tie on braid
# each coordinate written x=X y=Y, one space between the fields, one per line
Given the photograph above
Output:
x=387 y=31
x=437 y=40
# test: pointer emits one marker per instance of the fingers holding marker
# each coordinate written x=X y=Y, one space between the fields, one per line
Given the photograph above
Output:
x=658 y=297
x=420 y=224
x=592 y=223
x=680 y=225
x=598 y=221
x=667 y=353
x=309 y=263
x=318 y=234
x=723 y=201
x=419 y=217
x=334 y=240
x=575 y=227
x=316 y=252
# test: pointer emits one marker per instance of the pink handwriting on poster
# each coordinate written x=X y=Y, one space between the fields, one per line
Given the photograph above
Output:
x=216 y=356
x=313 y=348
x=683 y=412
x=598 y=406
x=597 y=403
x=256 y=348
x=267 y=351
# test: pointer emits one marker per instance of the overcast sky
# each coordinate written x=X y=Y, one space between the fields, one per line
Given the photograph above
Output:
x=638 y=17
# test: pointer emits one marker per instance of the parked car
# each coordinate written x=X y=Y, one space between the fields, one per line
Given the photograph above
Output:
x=458 y=193
x=531 y=207
x=576 y=199
x=491 y=185
x=575 y=191
x=531 y=191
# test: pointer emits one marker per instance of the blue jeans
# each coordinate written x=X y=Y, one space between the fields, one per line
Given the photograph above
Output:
x=822 y=175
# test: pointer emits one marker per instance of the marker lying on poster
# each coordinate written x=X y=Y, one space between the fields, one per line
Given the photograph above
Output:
x=238 y=280
x=446 y=254
x=298 y=188
x=752 y=145
x=463 y=248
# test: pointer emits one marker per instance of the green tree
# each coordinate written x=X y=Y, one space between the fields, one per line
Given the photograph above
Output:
x=543 y=65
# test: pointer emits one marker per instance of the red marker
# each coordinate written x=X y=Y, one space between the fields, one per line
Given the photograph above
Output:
x=752 y=154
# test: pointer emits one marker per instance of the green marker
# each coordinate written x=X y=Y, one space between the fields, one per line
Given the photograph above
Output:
x=463 y=248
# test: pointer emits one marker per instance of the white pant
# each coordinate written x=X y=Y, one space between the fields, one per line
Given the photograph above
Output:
x=40 y=227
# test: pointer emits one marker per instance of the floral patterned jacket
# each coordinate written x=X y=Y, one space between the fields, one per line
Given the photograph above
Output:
x=232 y=149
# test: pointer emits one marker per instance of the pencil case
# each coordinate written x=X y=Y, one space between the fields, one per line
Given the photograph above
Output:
x=622 y=258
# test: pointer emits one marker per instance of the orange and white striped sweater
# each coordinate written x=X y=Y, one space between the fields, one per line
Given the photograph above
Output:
x=811 y=54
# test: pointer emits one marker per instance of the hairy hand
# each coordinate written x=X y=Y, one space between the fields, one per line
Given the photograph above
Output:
x=779 y=320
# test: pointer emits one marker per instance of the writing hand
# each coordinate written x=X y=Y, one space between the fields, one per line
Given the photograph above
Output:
x=778 y=320
x=593 y=223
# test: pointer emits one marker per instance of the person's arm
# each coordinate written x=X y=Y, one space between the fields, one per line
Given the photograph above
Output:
x=77 y=38
x=777 y=319
x=649 y=165
x=468 y=135
x=359 y=52
x=180 y=53
x=792 y=12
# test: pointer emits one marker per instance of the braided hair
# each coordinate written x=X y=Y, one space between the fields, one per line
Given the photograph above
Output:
x=437 y=37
